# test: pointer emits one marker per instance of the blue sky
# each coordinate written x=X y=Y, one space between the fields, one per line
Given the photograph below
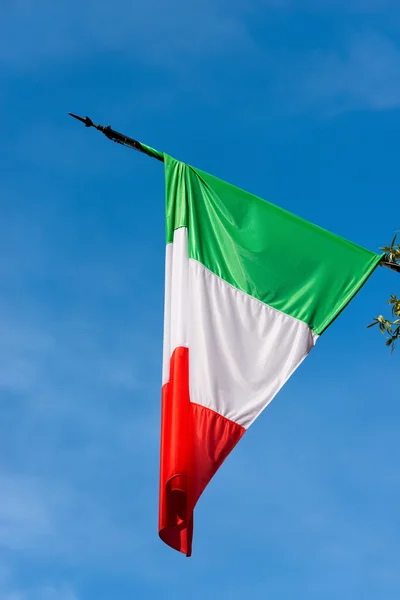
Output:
x=296 y=101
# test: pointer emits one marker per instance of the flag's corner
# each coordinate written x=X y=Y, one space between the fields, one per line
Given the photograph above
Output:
x=355 y=289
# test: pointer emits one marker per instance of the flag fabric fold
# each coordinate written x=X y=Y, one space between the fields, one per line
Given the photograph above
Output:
x=249 y=288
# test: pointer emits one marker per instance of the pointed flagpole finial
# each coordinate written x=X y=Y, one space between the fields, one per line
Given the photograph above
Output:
x=87 y=121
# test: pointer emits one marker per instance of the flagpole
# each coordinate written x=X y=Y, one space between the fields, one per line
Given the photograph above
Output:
x=124 y=140
x=389 y=265
x=119 y=138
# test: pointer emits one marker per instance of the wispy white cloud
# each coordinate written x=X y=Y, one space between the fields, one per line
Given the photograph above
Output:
x=187 y=42
x=12 y=588
x=76 y=410
x=59 y=519
x=47 y=592
x=23 y=514
x=345 y=6
x=352 y=6
x=359 y=74
x=155 y=31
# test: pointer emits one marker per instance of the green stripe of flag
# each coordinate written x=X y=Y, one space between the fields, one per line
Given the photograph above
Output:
x=263 y=250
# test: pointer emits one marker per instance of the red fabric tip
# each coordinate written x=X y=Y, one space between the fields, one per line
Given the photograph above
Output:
x=195 y=441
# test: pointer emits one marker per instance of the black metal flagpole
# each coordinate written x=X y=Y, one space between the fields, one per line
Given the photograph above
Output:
x=121 y=138
x=117 y=137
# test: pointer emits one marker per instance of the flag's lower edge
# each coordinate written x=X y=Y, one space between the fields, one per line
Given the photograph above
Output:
x=195 y=441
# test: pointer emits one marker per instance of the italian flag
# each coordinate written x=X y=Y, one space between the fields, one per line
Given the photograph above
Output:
x=249 y=288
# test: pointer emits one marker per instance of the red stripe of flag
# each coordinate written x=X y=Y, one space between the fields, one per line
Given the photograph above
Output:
x=195 y=441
